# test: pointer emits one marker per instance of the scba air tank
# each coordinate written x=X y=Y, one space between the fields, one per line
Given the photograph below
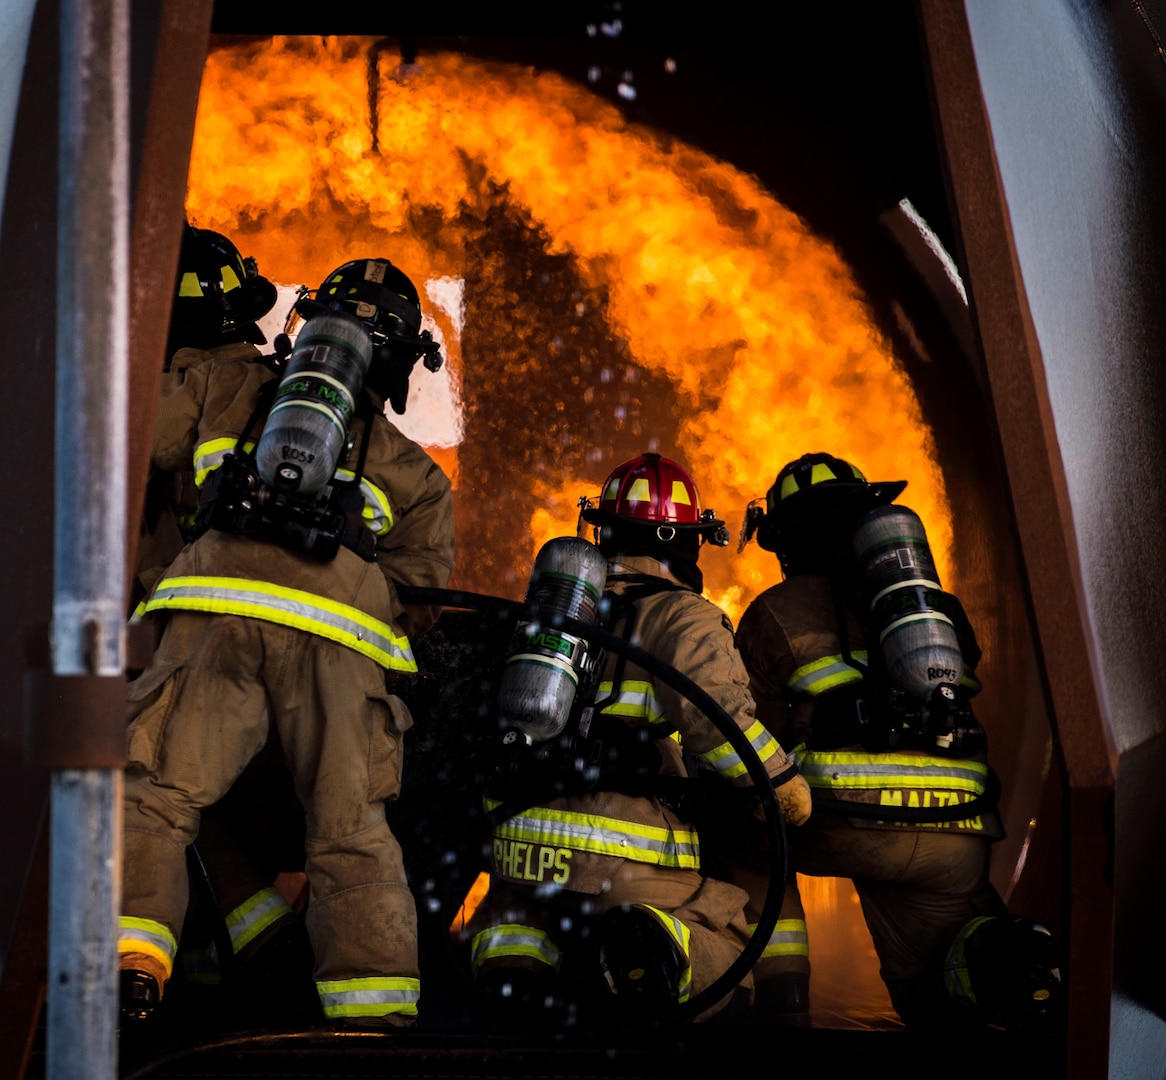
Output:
x=545 y=664
x=307 y=426
x=918 y=642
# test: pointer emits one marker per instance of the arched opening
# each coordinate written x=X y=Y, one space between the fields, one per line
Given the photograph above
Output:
x=604 y=288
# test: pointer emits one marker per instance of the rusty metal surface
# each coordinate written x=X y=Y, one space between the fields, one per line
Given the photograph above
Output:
x=54 y=704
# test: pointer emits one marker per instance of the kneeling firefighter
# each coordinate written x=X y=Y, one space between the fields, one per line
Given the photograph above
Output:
x=861 y=664
x=616 y=856
x=282 y=617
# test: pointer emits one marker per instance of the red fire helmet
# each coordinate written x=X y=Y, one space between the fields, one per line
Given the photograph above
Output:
x=651 y=490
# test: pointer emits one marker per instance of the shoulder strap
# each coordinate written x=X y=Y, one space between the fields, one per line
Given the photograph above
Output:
x=623 y=610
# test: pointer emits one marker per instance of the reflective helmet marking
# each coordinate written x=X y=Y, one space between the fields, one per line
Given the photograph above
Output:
x=655 y=491
x=230 y=278
x=639 y=491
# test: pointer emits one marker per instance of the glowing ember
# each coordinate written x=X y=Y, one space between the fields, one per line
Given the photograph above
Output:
x=623 y=291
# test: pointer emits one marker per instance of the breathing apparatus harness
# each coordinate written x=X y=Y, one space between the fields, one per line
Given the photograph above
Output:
x=883 y=716
x=236 y=500
x=594 y=750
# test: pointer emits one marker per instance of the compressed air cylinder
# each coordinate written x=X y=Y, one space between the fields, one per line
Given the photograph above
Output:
x=307 y=426
x=919 y=643
x=544 y=666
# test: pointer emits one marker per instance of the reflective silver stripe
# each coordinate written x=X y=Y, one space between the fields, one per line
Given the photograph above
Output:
x=147 y=932
x=873 y=771
x=635 y=698
x=681 y=935
x=208 y=456
x=288 y=607
x=826 y=674
x=369 y=997
x=789 y=938
x=514 y=939
x=604 y=836
x=254 y=915
x=377 y=514
x=728 y=762
x=956 y=979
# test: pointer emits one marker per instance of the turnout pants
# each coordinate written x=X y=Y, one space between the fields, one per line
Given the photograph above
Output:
x=519 y=927
x=918 y=889
x=199 y=715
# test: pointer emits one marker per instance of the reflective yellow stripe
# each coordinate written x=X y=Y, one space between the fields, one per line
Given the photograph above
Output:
x=288 y=607
x=513 y=939
x=369 y=997
x=254 y=915
x=726 y=761
x=679 y=848
x=956 y=980
x=635 y=699
x=828 y=673
x=842 y=770
x=377 y=514
x=209 y=455
x=190 y=285
x=681 y=935
x=149 y=937
x=789 y=938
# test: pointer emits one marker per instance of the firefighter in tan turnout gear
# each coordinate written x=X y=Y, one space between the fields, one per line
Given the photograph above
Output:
x=282 y=614
x=862 y=666
x=618 y=854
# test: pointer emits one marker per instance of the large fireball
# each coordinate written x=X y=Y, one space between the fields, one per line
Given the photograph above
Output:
x=622 y=291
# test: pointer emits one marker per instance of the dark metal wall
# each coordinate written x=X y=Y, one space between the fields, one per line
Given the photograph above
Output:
x=1051 y=117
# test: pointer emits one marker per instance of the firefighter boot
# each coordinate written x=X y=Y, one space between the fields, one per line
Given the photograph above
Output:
x=1012 y=974
x=640 y=962
x=783 y=1000
x=142 y=979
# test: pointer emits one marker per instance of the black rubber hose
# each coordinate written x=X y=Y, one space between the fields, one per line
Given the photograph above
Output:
x=728 y=980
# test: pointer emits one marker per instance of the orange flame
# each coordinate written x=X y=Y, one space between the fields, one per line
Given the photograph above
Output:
x=718 y=291
x=677 y=306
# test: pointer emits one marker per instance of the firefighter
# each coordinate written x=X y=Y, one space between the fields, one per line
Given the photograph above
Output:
x=247 y=838
x=949 y=951
x=607 y=883
x=282 y=616
x=219 y=298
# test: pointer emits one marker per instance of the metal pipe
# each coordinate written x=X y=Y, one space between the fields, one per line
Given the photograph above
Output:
x=90 y=529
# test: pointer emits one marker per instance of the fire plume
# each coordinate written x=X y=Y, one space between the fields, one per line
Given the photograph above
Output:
x=624 y=291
